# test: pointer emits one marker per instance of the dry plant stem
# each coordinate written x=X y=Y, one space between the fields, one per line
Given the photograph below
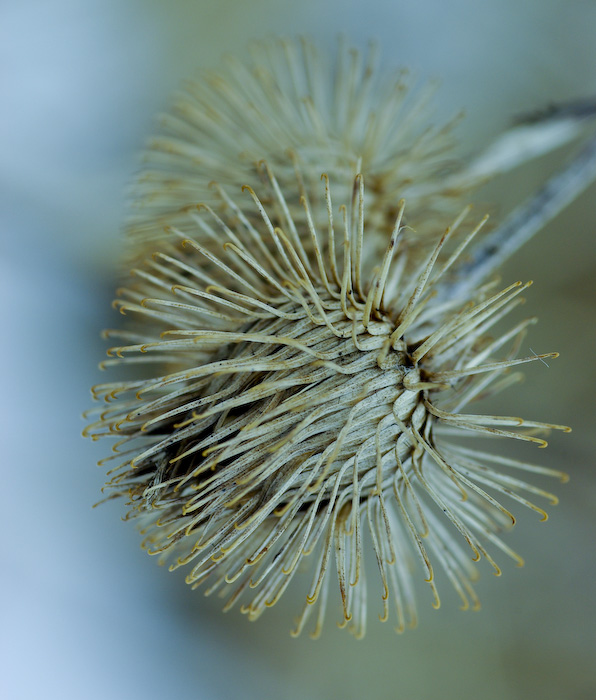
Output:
x=532 y=136
x=574 y=109
x=525 y=221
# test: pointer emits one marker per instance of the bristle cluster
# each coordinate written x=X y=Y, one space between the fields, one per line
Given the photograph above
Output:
x=307 y=398
x=293 y=107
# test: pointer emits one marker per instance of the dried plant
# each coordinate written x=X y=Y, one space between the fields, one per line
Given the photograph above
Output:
x=305 y=398
x=292 y=106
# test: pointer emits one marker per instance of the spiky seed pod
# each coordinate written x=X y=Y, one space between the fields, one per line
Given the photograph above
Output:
x=310 y=399
x=287 y=99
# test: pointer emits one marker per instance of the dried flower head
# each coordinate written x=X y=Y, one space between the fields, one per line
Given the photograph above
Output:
x=291 y=106
x=307 y=411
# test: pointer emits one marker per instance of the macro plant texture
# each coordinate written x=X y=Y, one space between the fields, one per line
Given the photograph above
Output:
x=302 y=360
x=295 y=107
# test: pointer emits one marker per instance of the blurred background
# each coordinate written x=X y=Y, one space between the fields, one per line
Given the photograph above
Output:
x=84 y=612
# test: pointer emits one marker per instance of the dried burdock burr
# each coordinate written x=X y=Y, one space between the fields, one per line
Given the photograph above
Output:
x=301 y=373
x=290 y=105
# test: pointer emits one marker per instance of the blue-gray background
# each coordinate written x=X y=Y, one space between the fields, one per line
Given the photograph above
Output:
x=84 y=613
